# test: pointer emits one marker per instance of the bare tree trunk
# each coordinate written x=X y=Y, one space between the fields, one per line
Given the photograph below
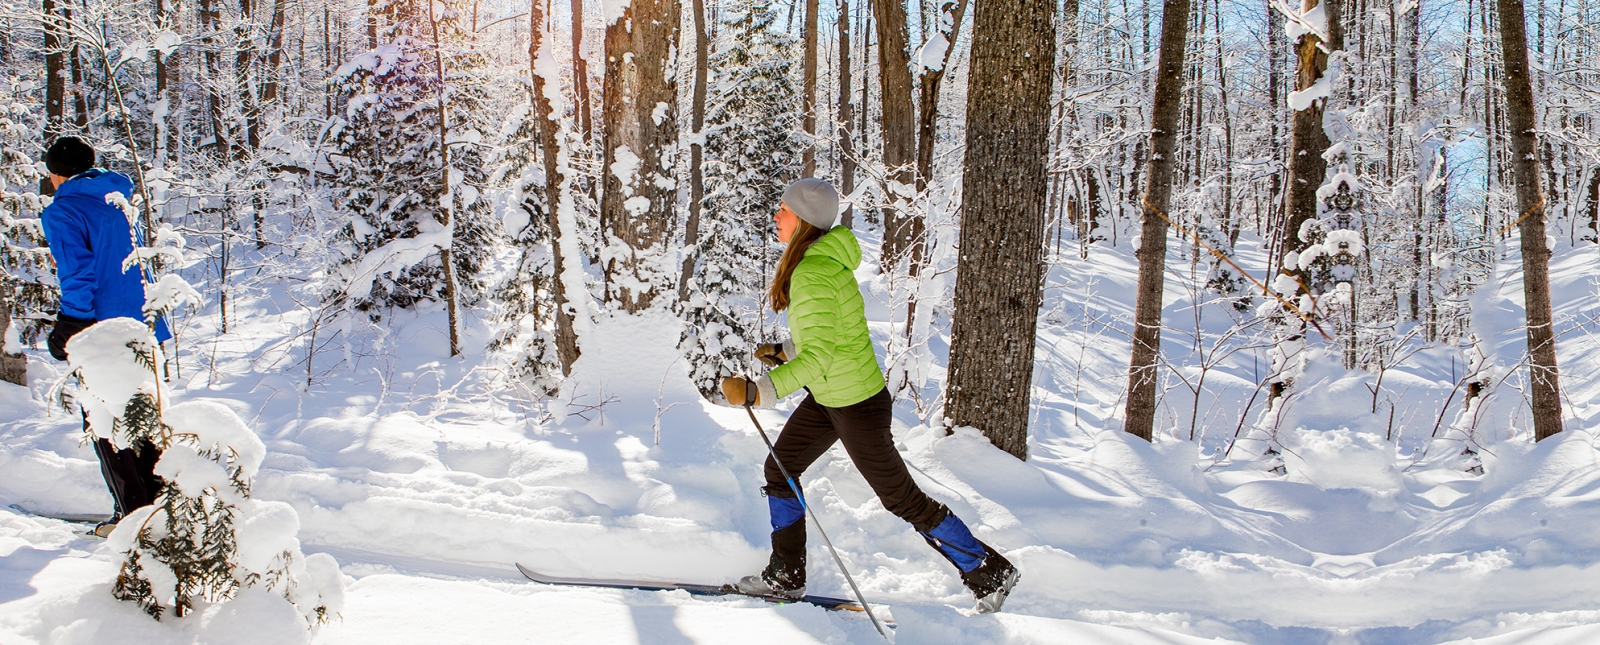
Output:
x=808 y=163
x=269 y=90
x=1140 y=413
x=219 y=130
x=1593 y=193
x=549 y=151
x=1546 y=384
x=637 y=207
x=697 y=179
x=1275 y=109
x=372 y=23
x=999 y=276
x=452 y=290
x=1229 y=223
x=1307 y=168
x=927 y=128
x=55 y=86
x=244 y=62
x=80 y=98
x=580 y=73
x=899 y=140
x=847 y=162
x=928 y=108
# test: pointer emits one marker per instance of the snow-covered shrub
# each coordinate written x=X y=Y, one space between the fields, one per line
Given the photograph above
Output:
x=204 y=537
x=752 y=153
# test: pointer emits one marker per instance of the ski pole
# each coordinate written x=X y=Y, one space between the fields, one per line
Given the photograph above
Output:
x=796 y=488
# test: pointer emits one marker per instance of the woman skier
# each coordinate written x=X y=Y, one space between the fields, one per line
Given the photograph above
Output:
x=830 y=354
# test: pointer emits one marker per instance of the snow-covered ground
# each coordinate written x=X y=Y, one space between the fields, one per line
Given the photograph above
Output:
x=426 y=489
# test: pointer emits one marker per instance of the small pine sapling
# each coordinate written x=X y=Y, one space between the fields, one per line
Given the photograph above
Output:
x=203 y=537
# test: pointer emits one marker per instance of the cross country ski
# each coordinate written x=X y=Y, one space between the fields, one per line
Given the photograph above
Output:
x=825 y=602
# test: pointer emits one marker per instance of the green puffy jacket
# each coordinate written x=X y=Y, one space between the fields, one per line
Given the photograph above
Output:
x=831 y=351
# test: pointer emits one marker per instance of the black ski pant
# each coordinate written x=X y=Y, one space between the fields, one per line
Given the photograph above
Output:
x=863 y=428
x=130 y=473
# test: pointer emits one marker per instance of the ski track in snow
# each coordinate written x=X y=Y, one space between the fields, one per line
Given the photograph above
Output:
x=426 y=490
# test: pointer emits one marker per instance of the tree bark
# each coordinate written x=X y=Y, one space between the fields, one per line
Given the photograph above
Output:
x=55 y=85
x=697 y=179
x=899 y=139
x=244 y=61
x=1307 y=141
x=219 y=130
x=847 y=162
x=80 y=99
x=808 y=162
x=269 y=90
x=1546 y=386
x=580 y=73
x=928 y=109
x=641 y=126
x=1000 y=271
x=13 y=367
x=1140 y=413
x=549 y=151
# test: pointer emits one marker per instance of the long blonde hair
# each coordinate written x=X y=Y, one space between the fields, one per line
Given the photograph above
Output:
x=804 y=236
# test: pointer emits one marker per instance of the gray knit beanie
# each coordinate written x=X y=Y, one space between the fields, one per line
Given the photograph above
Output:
x=814 y=200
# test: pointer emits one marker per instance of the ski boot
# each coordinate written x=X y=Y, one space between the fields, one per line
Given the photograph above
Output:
x=785 y=575
x=989 y=575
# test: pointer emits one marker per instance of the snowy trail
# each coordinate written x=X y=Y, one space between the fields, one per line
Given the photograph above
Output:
x=426 y=492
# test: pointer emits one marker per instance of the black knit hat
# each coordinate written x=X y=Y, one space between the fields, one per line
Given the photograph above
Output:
x=69 y=156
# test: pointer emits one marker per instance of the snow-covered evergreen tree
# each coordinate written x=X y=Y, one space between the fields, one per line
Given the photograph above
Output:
x=391 y=175
x=526 y=308
x=752 y=152
x=27 y=289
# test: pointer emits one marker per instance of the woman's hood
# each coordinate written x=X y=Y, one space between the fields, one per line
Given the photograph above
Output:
x=839 y=245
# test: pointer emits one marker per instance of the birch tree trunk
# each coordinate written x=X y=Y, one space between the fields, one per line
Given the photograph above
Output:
x=641 y=129
x=1140 y=413
x=999 y=274
x=1546 y=386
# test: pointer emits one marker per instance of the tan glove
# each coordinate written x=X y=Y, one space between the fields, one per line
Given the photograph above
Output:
x=739 y=390
x=742 y=391
x=771 y=354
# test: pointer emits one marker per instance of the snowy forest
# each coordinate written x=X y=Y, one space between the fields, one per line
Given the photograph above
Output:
x=1226 y=321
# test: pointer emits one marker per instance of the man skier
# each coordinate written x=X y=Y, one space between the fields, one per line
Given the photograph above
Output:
x=831 y=355
x=89 y=240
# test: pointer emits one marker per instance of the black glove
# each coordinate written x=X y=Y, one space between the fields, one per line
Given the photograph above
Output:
x=66 y=327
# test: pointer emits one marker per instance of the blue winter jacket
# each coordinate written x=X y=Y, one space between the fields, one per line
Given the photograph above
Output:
x=90 y=239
